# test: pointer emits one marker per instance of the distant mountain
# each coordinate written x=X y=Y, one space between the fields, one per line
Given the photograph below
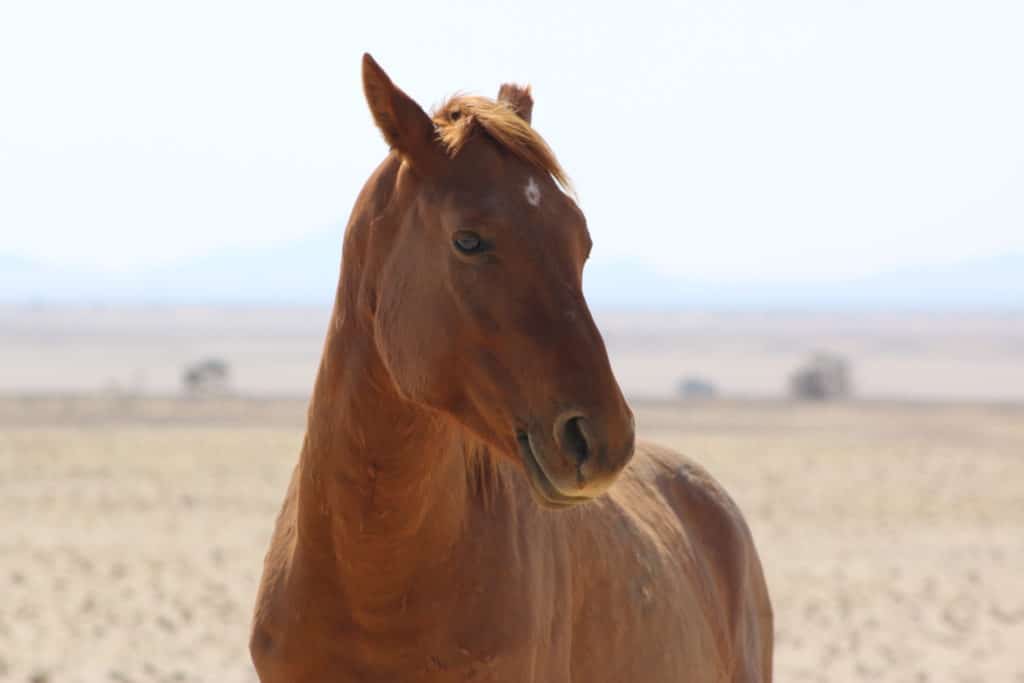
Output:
x=989 y=284
x=23 y=281
x=305 y=271
x=996 y=282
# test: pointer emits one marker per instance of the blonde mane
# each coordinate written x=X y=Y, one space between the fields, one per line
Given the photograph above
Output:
x=457 y=118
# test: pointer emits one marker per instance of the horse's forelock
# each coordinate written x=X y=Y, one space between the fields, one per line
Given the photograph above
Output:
x=457 y=118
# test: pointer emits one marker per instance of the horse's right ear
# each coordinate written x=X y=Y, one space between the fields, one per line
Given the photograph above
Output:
x=405 y=126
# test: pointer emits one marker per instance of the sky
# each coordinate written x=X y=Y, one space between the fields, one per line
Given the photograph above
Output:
x=717 y=140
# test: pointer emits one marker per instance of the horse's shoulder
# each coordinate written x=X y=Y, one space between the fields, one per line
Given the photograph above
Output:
x=714 y=523
x=677 y=474
x=266 y=636
x=705 y=509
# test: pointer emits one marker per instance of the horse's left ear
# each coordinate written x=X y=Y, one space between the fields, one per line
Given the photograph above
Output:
x=404 y=124
x=519 y=98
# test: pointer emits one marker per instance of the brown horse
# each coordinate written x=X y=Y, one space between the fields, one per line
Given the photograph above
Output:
x=452 y=515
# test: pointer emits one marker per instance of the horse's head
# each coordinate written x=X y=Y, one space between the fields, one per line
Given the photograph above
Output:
x=476 y=286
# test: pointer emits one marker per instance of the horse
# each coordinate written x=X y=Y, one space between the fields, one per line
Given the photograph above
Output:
x=470 y=503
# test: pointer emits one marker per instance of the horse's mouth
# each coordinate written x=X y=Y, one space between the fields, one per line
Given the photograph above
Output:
x=544 y=490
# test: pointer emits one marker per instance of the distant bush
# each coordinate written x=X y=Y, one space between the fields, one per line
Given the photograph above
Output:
x=824 y=377
x=695 y=388
x=210 y=376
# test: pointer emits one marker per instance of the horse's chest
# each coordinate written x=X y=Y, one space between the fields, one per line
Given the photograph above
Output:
x=477 y=618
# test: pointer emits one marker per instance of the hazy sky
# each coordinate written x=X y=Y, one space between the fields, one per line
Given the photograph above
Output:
x=716 y=139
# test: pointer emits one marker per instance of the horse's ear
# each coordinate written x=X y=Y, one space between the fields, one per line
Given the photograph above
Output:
x=519 y=98
x=405 y=126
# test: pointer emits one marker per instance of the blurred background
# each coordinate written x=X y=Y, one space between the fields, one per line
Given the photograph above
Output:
x=808 y=221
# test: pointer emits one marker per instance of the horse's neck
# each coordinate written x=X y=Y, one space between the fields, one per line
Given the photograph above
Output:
x=382 y=489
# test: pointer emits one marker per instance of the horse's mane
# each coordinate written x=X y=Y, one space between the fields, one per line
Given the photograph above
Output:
x=458 y=118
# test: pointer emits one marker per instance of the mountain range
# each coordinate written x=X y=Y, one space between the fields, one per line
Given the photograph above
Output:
x=304 y=272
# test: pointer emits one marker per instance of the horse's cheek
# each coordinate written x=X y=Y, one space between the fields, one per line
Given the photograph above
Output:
x=412 y=359
x=392 y=344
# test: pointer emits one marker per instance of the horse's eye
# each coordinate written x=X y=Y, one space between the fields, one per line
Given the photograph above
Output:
x=468 y=242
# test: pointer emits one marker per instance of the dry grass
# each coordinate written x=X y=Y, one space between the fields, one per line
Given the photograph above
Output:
x=893 y=536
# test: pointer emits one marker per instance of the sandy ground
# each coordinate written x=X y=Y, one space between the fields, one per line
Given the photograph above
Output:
x=892 y=535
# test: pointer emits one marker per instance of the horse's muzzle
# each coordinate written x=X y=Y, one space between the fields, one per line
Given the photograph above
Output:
x=579 y=463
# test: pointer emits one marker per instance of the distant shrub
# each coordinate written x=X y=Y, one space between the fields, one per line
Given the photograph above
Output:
x=210 y=376
x=695 y=388
x=824 y=377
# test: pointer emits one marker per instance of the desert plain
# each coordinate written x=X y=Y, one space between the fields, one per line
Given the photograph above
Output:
x=892 y=534
x=133 y=518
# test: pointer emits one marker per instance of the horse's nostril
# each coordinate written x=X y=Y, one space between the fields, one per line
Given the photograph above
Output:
x=574 y=439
